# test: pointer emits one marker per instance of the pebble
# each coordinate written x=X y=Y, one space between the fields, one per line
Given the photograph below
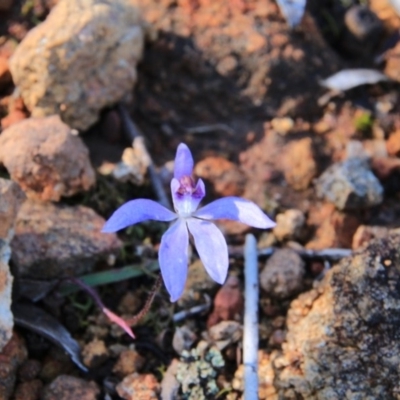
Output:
x=66 y=387
x=289 y=225
x=282 y=276
x=350 y=185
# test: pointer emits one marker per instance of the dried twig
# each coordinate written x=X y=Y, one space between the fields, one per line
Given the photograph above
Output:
x=331 y=255
x=210 y=128
x=250 y=328
x=133 y=132
x=181 y=315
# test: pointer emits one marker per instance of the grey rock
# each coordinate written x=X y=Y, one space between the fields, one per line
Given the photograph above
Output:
x=282 y=276
x=343 y=339
x=11 y=197
x=350 y=185
x=54 y=241
x=88 y=64
x=67 y=387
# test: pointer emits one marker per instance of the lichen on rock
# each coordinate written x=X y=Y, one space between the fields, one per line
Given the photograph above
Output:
x=197 y=370
x=343 y=338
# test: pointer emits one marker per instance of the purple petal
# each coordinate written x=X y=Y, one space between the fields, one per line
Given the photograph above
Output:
x=187 y=200
x=211 y=246
x=173 y=258
x=135 y=211
x=183 y=162
x=237 y=209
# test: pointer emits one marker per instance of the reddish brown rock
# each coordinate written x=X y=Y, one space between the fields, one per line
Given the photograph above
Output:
x=46 y=158
x=392 y=67
x=333 y=228
x=129 y=361
x=53 y=241
x=299 y=165
x=228 y=302
x=69 y=387
x=139 y=386
x=365 y=234
x=393 y=144
x=5 y=76
x=223 y=174
x=28 y=390
x=12 y=356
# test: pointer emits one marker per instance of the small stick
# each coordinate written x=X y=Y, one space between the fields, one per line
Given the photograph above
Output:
x=250 y=331
x=331 y=255
x=181 y=315
x=210 y=128
x=133 y=132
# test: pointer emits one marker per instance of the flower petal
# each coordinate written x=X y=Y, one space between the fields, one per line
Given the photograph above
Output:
x=186 y=203
x=183 y=162
x=211 y=246
x=135 y=211
x=236 y=209
x=173 y=258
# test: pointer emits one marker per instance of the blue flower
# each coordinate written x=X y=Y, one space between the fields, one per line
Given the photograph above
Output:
x=208 y=239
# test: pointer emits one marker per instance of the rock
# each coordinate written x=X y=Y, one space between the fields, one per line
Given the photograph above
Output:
x=67 y=387
x=11 y=197
x=228 y=302
x=299 y=166
x=129 y=361
x=80 y=69
x=365 y=234
x=333 y=228
x=386 y=13
x=350 y=185
x=198 y=282
x=5 y=76
x=343 y=340
x=197 y=372
x=54 y=241
x=282 y=276
x=225 y=176
x=225 y=333
x=392 y=66
x=94 y=353
x=139 y=386
x=282 y=125
x=37 y=154
x=11 y=357
x=28 y=390
x=289 y=225
x=183 y=339
x=5 y=5
x=265 y=372
x=393 y=144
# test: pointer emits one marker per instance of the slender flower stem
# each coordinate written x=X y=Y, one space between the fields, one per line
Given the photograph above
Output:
x=157 y=284
x=250 y=333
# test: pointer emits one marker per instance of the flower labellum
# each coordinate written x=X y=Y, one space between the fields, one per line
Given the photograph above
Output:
x=208 y=239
